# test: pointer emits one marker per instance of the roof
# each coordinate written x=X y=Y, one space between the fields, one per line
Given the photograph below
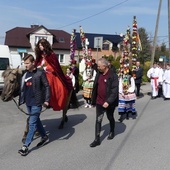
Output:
x=19 y=37
x=115 y=39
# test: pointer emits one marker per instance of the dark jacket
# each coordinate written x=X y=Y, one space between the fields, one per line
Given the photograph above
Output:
x=75 y=71
x=41 y=88
x=112 y=89
x=139 y=74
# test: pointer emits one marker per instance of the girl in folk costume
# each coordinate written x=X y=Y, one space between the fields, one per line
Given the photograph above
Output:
x=74 y=100
x=89 y=75
x=127 y=96
x=60 y=85
x=71 y=76
x=166 y=83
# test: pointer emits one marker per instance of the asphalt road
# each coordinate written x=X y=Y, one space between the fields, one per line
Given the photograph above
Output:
x=139 y=144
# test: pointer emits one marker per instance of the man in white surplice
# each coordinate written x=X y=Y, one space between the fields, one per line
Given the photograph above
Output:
x=166 y=83
x=156 y=77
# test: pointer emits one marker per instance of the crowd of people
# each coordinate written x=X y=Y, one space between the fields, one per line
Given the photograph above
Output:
x=160 y=81
x=102 y=88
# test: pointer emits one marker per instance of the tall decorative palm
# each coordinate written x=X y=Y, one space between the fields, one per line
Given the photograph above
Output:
x=83 y=42
x=72 y=44
x=134 y=49
x=124 y=61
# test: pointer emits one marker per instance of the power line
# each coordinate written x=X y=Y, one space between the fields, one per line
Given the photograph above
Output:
x=94 y=14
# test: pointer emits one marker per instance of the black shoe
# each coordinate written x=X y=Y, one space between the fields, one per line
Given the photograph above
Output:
x=166 y=98
x=43 y=141
x=111 y=136
x=133 y=113
x=137 y=96
x=95 y=143
x=121 y=118
x=127 y=116
x=153 y=98
x=23 y=151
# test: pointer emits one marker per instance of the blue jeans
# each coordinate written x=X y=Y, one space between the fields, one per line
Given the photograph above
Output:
x=34 y=124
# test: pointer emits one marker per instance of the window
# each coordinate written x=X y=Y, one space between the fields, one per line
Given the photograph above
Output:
x=61 y=40
x=4 y=63
x=61 y=58
x=23 y=54
x=105 y=46
x=37 y=38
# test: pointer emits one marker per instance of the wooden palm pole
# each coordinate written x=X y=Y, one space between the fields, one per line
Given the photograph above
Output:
x=169 y=27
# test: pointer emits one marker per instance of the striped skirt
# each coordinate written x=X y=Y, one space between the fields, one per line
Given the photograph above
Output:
x=87 y=92
x=87 y=89
x=127 y=103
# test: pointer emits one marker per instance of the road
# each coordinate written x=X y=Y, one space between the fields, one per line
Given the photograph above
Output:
x=139 y=144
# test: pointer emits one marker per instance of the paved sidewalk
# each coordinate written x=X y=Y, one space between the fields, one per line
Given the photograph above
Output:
x=145 y=88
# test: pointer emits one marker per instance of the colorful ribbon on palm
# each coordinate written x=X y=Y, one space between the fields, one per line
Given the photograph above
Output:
x=83 y=42
x=124 y=61
x=134 y=46
x=130 y=47
x=72 y=45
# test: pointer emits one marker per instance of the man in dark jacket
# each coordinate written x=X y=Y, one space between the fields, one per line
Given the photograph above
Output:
x=138 y=78
x=105 y=97
x=35 y=92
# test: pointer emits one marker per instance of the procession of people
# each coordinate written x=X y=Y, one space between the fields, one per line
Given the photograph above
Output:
x=103 y=87
x=160 y=81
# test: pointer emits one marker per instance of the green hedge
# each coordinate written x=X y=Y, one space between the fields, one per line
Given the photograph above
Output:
x=116 y=64
x=64 y=68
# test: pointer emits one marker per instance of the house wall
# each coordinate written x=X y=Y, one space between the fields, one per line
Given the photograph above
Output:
x=40 y=33
x=100 y=53
x=64 y=55
x=25 y=50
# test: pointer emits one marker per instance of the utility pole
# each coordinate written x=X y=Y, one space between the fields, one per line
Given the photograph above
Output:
x=156 y=32
x=169 y=27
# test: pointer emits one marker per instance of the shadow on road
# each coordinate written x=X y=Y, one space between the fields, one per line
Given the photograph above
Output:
x=67 y=131
x=119 y=128
x=51 y=127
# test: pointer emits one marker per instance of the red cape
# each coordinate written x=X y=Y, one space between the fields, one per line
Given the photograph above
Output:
x=53 y=61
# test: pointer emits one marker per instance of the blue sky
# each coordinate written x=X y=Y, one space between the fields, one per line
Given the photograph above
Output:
x=95 y=16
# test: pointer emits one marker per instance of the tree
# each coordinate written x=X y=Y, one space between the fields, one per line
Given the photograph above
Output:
x=161 y=51
x=145 y=52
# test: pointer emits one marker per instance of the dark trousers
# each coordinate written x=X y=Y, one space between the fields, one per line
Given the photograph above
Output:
x=100 y=110
x=74 y=100
x=138 y=89
x=160 y=93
